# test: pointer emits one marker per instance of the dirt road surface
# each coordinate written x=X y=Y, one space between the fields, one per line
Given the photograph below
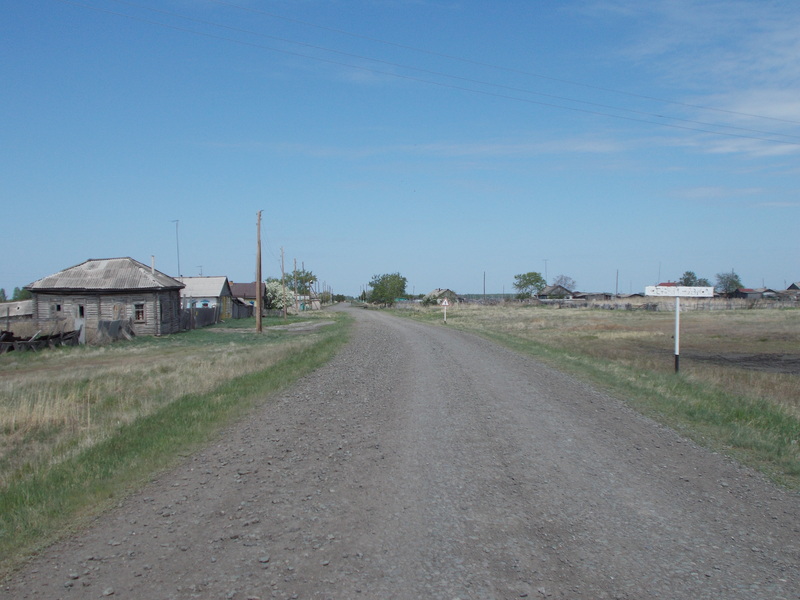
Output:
x=427 y=463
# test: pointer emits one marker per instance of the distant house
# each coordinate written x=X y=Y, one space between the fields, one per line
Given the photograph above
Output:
x=767 y=293
x=596 y=296
x=439 y=294
x=747 y=294
x=15 y=312
x=795 y=287
x=246 y=292
x=209 y=292
x=552 y=292
x=108 y=289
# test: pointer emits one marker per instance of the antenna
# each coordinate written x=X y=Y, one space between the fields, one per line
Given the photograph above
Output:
x=177 y=246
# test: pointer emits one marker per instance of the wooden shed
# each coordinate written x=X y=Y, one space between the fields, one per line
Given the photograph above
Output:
x=107 y=289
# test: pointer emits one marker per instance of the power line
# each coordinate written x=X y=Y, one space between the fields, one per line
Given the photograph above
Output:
x=500 y=67
x=439 y=74
x=455 y=77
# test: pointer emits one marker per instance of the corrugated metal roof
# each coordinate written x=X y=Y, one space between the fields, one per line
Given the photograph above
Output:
x=106 y=274
x=245 y=290
x=204 y=287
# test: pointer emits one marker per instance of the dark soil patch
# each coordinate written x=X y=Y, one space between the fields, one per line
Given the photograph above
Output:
x=771 y=363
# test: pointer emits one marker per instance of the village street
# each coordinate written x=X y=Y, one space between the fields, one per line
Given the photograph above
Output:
x=427 y=463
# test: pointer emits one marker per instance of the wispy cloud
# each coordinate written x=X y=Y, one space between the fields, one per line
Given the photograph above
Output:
x=735 y=58
x=445 y=149
x=716 y=193
x=778 y=204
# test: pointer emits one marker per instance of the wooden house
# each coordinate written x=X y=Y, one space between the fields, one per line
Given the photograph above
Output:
x=18 y=311
x=207 y=292
x=246 y=292
x=552 y=292
x=107 y=290
x=747 y=294
x=439 y=294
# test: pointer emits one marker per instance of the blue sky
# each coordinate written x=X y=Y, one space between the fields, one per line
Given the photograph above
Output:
x=442 y=139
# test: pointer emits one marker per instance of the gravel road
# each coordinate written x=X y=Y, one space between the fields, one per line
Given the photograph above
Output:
x=423 y=462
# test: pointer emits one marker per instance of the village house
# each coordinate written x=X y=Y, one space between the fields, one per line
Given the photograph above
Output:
x=107 y=290
x=210 y=300
x=246 y=292
x=16 y=311
x=439 y=294
x=553 y=292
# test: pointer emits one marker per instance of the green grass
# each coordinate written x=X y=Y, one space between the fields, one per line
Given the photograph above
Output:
x=748 y=415
x=43 y=500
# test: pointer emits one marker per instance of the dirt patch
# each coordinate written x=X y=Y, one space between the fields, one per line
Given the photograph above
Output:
x=302 y=327
x=770 y=363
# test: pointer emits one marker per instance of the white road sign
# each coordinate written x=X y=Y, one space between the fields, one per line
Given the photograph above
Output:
x=445 y=302
x=679 y=291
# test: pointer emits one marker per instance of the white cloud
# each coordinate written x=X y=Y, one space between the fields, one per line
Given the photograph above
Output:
x=736 y=58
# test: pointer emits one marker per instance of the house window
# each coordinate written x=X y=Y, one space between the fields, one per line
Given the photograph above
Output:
x=138 y=313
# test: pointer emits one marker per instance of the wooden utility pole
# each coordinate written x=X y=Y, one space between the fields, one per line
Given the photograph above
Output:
x=296 y=288
x=259 y=299
x=283 y=284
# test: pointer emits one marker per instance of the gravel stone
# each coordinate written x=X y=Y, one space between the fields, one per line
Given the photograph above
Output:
x=437 y=464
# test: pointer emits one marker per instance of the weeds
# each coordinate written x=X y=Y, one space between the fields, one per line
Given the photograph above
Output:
x=79 y=426
x=730 y=395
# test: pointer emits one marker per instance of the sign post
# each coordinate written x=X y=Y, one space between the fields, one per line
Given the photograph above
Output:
x=445 y=304
x=678 y=292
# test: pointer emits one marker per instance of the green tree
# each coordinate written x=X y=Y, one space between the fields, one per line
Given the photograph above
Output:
x=529 y=284
x=727 y=283
x=274 y=297
x=386 y=288
x=689 y=279
x=21 y=294
x=3 y=297
x=301 y=281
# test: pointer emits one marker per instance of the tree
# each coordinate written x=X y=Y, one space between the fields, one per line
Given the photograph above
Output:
x=529 y=284
x=386 y=288
x=727 y=283
x=274 y=297
x=301 y=281
x=3 y=297
x=21 y=294
x=566 y=282
x=689 y=279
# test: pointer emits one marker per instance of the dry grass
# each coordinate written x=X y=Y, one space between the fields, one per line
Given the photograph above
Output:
x=738 y=390
x=734 y=350
x=59 y=402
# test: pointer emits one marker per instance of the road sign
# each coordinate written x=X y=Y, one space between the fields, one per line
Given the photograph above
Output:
x=445 y=302
x=678 y=292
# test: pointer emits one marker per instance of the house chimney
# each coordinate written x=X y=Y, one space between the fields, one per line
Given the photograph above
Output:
x=152 y=264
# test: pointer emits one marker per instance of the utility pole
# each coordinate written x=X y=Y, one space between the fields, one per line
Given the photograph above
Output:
x=283 y=284
x=296 y=288
x=259 y=299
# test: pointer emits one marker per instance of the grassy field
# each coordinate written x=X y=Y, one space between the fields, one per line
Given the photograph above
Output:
x=738 y=390
x=81 y=426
